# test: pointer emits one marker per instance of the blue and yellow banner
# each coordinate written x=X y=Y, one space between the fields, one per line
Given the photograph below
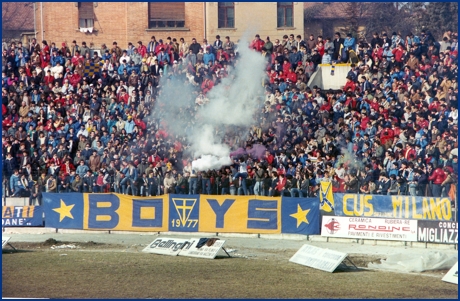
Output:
x=326 y=197
x=22 y=216
x=182 y=213
x=105 y=212
x=300 y=216
x=393 y=206
x=240 y=214
x=91 y=68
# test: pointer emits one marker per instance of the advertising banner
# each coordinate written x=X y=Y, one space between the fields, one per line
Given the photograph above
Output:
x=369 y=228
x=318 y=258
x=167 y=246
x=22 y=216
x=393 y=206
x=204 y=251
x=5 y=240
x=437 y=232
x=452 y=275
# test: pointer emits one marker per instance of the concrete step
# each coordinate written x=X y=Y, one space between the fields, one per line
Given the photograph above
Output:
x=16 y=201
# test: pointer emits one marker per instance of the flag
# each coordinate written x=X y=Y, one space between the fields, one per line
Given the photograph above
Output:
x=63 y=210
x=92 y=68
x=300 y=216
x=326 y=197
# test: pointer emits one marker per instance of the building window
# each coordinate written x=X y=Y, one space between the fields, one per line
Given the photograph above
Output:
x=285 y=14
x=226 y=14
x=85 y=14
x=166 y=14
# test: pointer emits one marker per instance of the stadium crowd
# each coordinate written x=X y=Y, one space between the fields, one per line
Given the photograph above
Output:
x=392 y=129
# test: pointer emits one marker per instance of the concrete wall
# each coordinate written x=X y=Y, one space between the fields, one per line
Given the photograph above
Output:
x=253 y=18
x=323 y=78
x=114 y=21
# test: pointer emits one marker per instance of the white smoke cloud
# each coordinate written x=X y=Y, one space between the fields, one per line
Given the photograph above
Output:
x=231 y=103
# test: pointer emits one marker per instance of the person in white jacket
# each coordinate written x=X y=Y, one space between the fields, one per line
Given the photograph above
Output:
x=454 y=115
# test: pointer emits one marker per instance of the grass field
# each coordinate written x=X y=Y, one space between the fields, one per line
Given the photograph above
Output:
x=117 y=271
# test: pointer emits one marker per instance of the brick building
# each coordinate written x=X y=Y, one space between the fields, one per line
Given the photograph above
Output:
x=105 y=22
x=235 y=19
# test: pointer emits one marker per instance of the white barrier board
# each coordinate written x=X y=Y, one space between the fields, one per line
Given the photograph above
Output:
x=204 y=251
x=318 y=258
x=5 y=241
x=452 y=275
x=369 y=228
x=167 y=246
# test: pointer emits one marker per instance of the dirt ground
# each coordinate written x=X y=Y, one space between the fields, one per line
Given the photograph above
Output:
x=103 y=270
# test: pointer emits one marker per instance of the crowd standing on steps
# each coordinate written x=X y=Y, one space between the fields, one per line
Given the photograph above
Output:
x=392 y=129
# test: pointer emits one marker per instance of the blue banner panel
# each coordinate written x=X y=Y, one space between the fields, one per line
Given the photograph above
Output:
x=22 y=216
x=184 y=212
x=300 y=216
x=240 y=214
x=63 y=211
x=393 y=206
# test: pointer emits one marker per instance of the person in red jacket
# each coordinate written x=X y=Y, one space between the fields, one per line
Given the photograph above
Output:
x=269 y=157
x=280 y=186
x=140 y=123
x=373 y=104
x=364 y=121
x=257 y=44
x=349 y=85
x=386 y=136
x=286 y=66
x=66 y=167
x=74 y=79
x=291 y=76
x=272 y=75
x=409 y=151
x=141 y=49
x=281 y=76
x=398 y=53
x=49 y=79
x=45 y=59
x=207 y=85
x=437 y=177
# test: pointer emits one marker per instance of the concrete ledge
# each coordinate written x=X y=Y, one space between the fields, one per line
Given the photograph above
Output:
x=284 y=236
x=73 y=231
x=297 y=237
x=28 y=230
x=344 y=240
x=16 y=201
x=433 y=246
x=318 y=238
x=243 y=235
x=134 y=233
x=390 y=243
x=189 y=234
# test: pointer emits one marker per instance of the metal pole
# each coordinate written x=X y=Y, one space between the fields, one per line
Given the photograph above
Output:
x=35 y=21
x=456 y=201
x=204 y=17
x=41 y=20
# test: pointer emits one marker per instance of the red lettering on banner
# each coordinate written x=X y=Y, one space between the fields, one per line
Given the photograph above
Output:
x=377 y=228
